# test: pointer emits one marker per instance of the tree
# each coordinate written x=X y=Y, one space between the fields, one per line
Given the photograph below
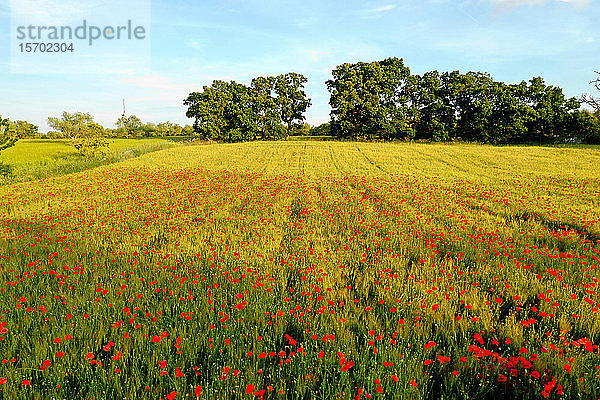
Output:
x=291 y=99
x=301 y=130
x=93 y=143
x=23 y=129
x=591 y=101
x=6 y=140
x=83 y=133
x=437 y=120
x=584 y=127
x=147 y=130
x=168 y=129
x=71 y=126
x=241 y=121
x=130 y=126
x=187 y=130
x=266 y=107
x=208 y=110
x=234 y=112
x=321 y=130
x=551 y=109
x=371 y=100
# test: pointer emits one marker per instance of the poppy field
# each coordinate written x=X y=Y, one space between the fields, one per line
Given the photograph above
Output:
x=306 y=270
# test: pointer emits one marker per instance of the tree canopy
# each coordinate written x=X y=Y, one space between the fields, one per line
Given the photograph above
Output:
x=383 y=100
x=6 y=140
x=269 y=108
x=85 y=135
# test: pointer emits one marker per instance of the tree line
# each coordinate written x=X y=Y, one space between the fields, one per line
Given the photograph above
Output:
x=90 y=138
x=127 y=127
x=383 y=100
x=270 y=108
x=379 y=100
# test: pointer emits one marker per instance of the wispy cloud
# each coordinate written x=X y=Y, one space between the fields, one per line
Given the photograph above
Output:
x=376 y=11
x=579 y=3
x=382 y=9
x=508 y=4
x=306 y=22
x=316 y=54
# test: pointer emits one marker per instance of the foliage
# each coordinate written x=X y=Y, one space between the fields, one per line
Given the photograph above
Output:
x=6 y=140
x=593 y=102
x=323 y=129
x=267 y=109
x=129 y=126
x=139 y=129
x=94 y=144
x=585 y=127
x=383 y=100
x=84 y=134
x=371 y=100
x=291 y=100
x=23 y=130
x=300 y=129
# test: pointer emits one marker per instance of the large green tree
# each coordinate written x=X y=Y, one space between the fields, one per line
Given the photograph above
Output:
x=266 y=108
x=551 y=109
x=291 y=100
x=370 y=100
x=223 y=111
x=71 y=125
x=231 y=111
x=208 y=110
x=585 y=127
x=382 y=100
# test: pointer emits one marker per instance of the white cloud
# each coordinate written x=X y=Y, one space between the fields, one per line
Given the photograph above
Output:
x=508 y=4
x=316 y=54
x=382 y=9
x=578 y=3
x=307 y=22
x=377 y=11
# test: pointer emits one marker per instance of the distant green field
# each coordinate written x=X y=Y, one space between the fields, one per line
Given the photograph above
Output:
x=39 y=158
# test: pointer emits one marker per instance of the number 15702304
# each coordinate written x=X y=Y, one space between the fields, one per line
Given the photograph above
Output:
x=41 y=47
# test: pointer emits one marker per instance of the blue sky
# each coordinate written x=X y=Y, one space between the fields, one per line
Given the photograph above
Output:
x=194 y=42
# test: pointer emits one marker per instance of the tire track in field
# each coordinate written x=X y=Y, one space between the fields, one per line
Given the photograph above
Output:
x=369 y=160
x=300 y=156
x=337 y=167
x=443 y=161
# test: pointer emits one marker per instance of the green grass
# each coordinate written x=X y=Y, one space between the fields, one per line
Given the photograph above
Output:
x=306 y=270
x=40 y=158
